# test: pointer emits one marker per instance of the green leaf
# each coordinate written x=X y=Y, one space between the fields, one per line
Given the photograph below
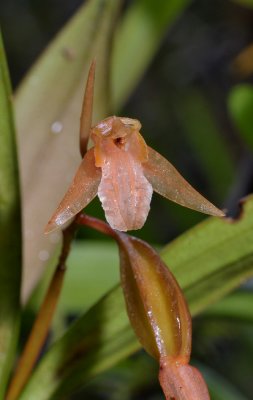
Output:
x=213 y=258
x=98 y=279
x=48 y=106
x=97 y=341
x=240 y=103
x=208 y=261
x=143 y=27
x=235 y=307
x=100 y=274
x=10 y=229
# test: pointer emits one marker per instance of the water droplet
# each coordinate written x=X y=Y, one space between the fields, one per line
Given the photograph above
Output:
x=43 y=255
x=55 y=237
x=56 y=127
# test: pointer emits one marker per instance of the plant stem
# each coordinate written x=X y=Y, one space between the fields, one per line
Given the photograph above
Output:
x=42 y=323
x=97 y=224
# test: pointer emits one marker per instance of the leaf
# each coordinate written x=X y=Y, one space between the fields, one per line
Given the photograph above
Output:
x=143 y=27
x=48 y=107
x=98 y=281
x=10 y=229
x=105 y=336
x=240 y=103
x=213 y=258
x=208 y=261
x=235 y=307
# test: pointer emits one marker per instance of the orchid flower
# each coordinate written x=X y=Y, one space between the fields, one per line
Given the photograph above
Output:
x=123 y=171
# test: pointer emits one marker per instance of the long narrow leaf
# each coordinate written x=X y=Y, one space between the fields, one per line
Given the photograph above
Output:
x=236 y=307
x=213 y=258
x=97 y=341
x=10 y=229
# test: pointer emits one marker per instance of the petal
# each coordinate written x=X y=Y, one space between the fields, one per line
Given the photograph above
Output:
x=167 y=181
x=82 y=190
x=124 y=191
x=136 y=145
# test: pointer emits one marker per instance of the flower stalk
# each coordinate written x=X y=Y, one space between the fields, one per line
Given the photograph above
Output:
x=42 y=322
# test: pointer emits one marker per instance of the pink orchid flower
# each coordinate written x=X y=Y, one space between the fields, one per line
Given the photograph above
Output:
x=123 y=171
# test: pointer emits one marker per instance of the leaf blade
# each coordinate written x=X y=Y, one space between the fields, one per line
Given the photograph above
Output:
x=223 y=247
x=10 y=228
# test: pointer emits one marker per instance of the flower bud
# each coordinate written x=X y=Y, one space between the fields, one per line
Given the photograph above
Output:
x=155 y=303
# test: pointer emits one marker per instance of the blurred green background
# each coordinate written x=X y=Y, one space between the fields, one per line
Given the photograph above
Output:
x=195 y=105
